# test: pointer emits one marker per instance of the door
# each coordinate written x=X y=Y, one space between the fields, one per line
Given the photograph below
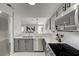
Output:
x=4 y=37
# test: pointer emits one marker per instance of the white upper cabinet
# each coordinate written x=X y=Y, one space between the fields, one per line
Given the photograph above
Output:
x=68 y=20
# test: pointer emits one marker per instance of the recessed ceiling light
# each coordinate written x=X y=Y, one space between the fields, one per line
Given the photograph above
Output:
x=0 y=12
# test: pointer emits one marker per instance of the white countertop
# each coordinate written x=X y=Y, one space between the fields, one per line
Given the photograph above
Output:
x=49 y=38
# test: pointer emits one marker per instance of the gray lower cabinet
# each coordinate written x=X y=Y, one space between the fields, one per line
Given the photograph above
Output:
x=29 y=45
x=47 y=49
x=23 y=45
x=16 y=45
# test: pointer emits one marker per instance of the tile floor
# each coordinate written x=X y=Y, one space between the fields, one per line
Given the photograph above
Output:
x=29 y=54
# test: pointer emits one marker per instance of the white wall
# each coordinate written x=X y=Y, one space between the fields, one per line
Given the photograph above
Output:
x=18 y=21
x=72 y=38
x=17 y=25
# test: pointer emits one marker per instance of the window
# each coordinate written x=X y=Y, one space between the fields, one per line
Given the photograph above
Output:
x=40 y=28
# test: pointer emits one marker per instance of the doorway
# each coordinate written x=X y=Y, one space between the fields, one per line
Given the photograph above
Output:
x=4 y=34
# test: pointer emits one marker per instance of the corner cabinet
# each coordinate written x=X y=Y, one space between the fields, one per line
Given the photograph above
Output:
x=68 y=20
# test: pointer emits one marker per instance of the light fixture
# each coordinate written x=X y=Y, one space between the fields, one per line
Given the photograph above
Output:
x=0 y=12
x=75 y=6
x=32 y=3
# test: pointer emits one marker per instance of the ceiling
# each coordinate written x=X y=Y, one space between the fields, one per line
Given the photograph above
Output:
x=40 y=10
x=33 y=20
x=37 y=10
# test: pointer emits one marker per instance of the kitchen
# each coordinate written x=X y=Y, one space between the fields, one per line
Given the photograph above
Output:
x=43 y=29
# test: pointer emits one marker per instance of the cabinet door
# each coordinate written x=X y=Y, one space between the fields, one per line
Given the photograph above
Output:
x=70 y=28
x=29 y=44
x=21 y=45
x=40 y=45
x=16 y=45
